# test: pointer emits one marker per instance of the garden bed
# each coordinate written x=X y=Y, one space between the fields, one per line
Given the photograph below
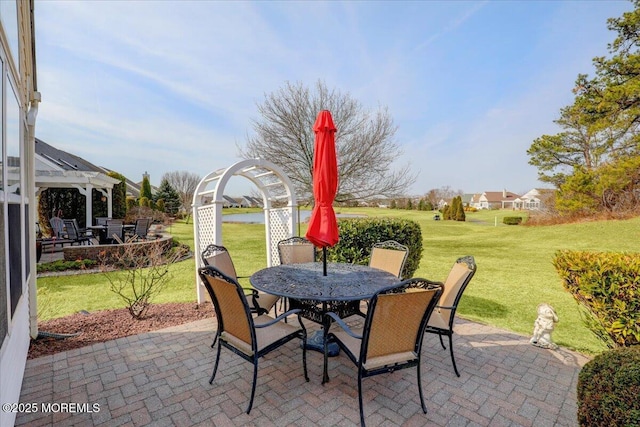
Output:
x=100 y=252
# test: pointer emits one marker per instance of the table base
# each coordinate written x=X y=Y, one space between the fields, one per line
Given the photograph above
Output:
x=315 y=342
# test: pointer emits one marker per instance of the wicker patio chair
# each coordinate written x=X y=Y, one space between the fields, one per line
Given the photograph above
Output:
x=389 y=256
x=248 y=337
x=296 y=250
x=219 y=257
x=441 y=320
x=392 y=335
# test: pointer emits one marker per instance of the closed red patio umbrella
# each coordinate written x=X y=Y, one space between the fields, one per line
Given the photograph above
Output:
x=323 y=227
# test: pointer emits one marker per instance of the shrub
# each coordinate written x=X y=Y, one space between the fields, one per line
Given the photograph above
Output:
x=512 y=220
x=131 y=203
x=145 y=212
x=459 y=214
x=357 y=236
x=607 y=287
x=62 y=265
x=145 y=202
x=608 y=389
x=140 y=273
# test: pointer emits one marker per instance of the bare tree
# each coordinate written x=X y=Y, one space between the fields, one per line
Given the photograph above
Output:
x=364 y=142
x=445 y=193
x=185 y=184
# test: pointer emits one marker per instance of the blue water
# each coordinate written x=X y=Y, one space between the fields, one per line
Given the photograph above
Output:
x=258 y=217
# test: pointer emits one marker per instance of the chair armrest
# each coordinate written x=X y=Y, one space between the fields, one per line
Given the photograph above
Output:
x=343 y=325
x=279 y=318
x=253 y=293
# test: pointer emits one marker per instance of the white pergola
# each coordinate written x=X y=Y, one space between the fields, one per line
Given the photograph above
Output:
x=84 y=181
x=278 y=200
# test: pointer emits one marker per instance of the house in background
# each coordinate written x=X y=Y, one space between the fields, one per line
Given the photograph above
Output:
x=497 y=200
x=19 y=101
x=252 y=202
x=230 y=202
x=536 y=199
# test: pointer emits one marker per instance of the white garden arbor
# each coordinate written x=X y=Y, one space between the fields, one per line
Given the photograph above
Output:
x=278 y=200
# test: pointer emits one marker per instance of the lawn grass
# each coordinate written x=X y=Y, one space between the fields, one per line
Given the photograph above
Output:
x=515 y=271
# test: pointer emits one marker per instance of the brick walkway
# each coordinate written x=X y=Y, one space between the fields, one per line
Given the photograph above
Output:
x=161 y=379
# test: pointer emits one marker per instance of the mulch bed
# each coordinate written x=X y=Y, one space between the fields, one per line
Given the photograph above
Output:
x=108 y=325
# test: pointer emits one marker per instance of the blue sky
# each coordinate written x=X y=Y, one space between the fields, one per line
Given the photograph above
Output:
x=160 y=86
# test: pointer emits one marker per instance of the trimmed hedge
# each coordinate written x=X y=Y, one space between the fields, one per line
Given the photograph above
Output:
x=357 y=236
x=512 y=220
x=608 y=389
x=607 y=286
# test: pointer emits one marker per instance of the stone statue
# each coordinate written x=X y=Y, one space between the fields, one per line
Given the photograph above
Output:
x=543 y=327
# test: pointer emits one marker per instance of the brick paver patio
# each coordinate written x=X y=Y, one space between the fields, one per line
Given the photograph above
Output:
x=161 y=379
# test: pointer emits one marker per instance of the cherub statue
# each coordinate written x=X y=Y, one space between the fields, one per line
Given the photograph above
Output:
x=543 y=326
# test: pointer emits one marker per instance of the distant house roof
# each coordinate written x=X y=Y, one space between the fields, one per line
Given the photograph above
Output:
x=63 y=160
x=58 y=169
x=253 y=201
x=499 y=196
x=231 y=200
x=133 y=188
x=58 y=159
x=467 y=198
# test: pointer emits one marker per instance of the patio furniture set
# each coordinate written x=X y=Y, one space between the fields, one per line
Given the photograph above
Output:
x=106 y=231
x=114 y=231
x=396 y=314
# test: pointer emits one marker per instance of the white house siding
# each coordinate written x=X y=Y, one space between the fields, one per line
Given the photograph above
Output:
x=18 y=106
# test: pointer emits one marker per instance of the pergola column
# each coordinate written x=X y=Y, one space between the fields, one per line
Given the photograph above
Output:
x=109 y=203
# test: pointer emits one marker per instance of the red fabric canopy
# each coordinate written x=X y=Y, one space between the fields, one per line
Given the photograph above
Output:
x=323 y=227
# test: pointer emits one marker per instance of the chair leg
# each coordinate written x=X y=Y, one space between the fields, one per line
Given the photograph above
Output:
x=215 y=338
x=304 y=355
x=253 y=388
x=442 y=342
x=360 y=398
x=215 y=366
x=325 y=370
x=424 y=407
x=453 y=359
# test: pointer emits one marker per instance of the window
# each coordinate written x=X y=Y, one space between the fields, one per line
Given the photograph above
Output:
x=13 y=196
x=4 y=301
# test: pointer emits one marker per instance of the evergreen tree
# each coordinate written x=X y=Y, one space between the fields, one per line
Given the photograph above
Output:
x=119 y=196
x=459 y=214
x=170 y=197
x=446 y=212
x=145 y=188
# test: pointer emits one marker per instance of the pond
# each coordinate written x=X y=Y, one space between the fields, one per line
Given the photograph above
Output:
x=258 y=217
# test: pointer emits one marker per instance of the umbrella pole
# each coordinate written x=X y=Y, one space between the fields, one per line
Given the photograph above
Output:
x=324 y=260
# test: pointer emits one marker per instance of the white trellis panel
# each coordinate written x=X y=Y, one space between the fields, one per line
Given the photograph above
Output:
x=278 y=198
x=281 y=222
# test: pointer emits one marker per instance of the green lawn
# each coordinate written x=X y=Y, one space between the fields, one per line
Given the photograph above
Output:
x=514 y=275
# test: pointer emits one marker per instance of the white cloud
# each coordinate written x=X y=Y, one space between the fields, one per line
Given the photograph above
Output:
x=161 y=86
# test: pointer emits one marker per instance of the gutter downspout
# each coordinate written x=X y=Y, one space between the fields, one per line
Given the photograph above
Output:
x=31 y=192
